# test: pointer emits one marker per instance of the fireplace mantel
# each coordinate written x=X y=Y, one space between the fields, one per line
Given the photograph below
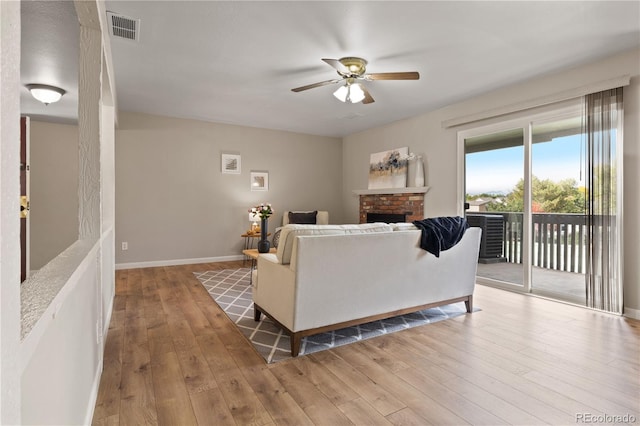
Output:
x=410 y=190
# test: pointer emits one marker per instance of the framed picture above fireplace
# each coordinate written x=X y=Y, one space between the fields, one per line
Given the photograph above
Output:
x=388 y=169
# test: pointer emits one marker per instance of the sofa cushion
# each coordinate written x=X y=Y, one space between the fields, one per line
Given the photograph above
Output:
x=365 y=228
x=303 y=217
x=403 y=226
x=290 y=232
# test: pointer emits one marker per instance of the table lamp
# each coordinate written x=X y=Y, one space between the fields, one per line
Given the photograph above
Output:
x=253 y=217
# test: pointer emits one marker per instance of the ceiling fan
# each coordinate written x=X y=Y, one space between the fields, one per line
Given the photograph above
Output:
x=351 y=70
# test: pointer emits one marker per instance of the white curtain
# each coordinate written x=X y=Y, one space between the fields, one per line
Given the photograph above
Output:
x=603 y=141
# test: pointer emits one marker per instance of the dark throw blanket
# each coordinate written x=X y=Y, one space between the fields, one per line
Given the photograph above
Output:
x=441 y=233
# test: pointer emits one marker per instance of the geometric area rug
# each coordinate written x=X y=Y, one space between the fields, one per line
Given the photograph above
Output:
x=231 y=290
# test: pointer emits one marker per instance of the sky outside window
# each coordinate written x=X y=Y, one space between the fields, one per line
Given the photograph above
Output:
x=498 y=171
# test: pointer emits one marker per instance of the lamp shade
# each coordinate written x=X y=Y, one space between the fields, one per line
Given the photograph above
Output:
x=46 y=94
x=351 y=92
x=341 y=93
x=356 y=94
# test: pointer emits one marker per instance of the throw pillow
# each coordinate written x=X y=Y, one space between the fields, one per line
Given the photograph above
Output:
x=276 y=238
x=305 y=218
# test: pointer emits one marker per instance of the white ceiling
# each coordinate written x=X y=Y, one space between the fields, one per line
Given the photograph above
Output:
x=49 y=55
x=237 y=61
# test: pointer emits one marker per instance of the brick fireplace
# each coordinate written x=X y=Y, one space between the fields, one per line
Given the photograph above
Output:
x=396 y=201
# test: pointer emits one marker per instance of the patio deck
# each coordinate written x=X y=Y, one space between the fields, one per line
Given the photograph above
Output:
x=567 y=286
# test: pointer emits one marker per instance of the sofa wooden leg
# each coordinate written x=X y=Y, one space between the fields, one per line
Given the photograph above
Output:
x=295 y=344
x=256 y=313
x=469 y=304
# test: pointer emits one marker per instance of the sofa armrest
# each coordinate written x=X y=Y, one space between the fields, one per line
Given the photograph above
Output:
x=274 y=289
x=267 y=257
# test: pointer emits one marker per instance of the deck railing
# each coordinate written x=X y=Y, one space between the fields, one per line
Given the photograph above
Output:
x=558 y=240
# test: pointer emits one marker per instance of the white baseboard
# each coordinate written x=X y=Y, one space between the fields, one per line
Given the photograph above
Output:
x=156 y=263
x=632 y=313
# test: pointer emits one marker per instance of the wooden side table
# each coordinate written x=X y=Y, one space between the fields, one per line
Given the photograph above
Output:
x=248 y=243
x=253 y=255
x=248 y=240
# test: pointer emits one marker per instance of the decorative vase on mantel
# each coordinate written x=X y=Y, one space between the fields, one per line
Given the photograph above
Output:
x=263 y=244
x=419 y=178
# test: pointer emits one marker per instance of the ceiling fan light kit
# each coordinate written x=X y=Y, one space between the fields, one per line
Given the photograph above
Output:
x=350 y=92
x=351 y=69
x=46 y=94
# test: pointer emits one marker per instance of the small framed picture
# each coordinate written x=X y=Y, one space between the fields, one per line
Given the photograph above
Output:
x=231 y=163
x=259 y=181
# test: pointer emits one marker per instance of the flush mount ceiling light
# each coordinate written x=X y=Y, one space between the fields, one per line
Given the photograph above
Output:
x=351 y=92
x=46 y=94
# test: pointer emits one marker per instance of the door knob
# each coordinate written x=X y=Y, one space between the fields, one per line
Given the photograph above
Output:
x=24 y=206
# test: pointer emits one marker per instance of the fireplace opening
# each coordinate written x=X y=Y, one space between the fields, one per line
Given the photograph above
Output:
x=387 y=217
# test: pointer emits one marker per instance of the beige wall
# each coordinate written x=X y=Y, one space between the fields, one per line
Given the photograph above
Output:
x=425 y=135
x=173 y=202
x=54 y=190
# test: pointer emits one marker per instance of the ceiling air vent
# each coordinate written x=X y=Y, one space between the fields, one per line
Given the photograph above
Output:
x=123 y=26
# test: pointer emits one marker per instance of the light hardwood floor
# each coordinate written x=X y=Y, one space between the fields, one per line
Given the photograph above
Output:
x=172 y=357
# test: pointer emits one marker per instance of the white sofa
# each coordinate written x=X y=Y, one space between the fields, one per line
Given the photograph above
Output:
x=327 y=277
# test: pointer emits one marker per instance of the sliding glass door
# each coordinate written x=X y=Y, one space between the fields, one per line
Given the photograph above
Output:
x=494 y=180
x=558 y=209
x=529 y=184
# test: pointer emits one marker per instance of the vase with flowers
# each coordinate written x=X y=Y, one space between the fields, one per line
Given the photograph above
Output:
x=263 y=211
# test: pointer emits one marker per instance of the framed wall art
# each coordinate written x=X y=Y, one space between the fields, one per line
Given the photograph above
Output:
x=388 y=169
x=259 y=181
x=231 y=163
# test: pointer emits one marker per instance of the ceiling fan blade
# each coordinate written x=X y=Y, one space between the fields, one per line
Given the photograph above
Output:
x=337 y=65
x=413 y=75
x=314 y=85
x=368 y=99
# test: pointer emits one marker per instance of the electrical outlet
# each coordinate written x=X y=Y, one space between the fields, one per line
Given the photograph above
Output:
x=125 y=245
